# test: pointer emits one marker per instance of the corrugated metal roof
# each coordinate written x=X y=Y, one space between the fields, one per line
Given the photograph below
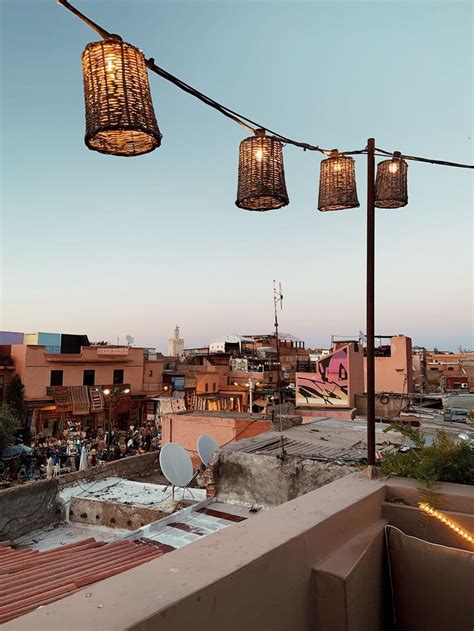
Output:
x=326 y=440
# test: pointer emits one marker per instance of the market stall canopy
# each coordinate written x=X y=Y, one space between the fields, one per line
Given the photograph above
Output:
x=15 y=451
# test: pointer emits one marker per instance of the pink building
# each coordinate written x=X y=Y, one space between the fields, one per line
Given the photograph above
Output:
x=185 y=428
x=341 y=375
x=79 y=377
x=394 y=366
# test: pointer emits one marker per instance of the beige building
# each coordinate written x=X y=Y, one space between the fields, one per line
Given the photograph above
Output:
x=175 y=344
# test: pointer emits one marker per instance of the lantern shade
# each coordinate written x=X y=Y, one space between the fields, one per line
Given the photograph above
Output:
x=391 y=183
x=261 y=184
x=119 y=111
x=337 y=185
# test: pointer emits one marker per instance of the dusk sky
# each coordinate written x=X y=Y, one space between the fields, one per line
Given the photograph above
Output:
x=111 y=246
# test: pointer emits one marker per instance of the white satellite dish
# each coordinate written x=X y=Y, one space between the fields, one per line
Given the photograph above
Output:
x=206 y=447
x=176 y=464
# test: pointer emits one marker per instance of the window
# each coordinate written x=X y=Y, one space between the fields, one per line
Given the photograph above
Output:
x=56 y=378
x=118 y=375
x=433 y=368
x=213 y=387
x=450 y=367
x=150 y=373
x=88 y=378
x=207 y=387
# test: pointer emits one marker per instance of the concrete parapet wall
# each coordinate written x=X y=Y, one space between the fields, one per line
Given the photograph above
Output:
x=266 y=480
x=27 y=507
x=349 y=590
x=134 y=465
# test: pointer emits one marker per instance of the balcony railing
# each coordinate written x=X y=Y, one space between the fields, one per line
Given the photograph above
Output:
x=122 y=386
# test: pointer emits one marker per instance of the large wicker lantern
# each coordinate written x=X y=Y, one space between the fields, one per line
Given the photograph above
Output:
x=119 y=111
x=391 y=183
x=337 y=185
x=261 y=183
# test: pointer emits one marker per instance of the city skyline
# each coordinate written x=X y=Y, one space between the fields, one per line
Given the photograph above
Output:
x=108 y=246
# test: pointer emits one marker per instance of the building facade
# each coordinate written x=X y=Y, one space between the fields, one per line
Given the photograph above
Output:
x=69 y=390
x=175 y=344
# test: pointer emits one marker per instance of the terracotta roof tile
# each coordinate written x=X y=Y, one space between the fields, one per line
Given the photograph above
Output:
x=29 y=578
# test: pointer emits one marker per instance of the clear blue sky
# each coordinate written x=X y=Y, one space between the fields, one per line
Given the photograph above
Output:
x=112 y=246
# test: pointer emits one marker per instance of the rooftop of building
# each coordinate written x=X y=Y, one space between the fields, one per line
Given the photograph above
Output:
x=298 y=566
x=244 y=416
x=323 y=439
x=132 y=493
x=53 y=563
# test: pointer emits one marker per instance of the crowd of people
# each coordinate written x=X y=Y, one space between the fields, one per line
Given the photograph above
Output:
x=79 y=450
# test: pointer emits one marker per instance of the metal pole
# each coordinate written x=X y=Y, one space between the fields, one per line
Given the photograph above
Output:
x=250 y=395
x=370 y=307
x=110 y=428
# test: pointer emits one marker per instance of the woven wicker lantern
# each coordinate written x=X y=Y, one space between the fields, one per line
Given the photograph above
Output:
x=391 y=183
x=261 y=183
x=337 y=185
x=119 y=111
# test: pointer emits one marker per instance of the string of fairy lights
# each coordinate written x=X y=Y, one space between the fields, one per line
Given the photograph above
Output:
x=120 y=120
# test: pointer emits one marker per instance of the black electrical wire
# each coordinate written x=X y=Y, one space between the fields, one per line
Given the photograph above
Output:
x=445 y=163
x=242 y=120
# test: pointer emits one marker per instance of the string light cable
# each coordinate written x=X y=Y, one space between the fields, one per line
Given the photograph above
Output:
x=238 y=118
x=429 y=510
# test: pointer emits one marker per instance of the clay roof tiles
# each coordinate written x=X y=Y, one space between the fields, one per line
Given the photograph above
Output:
x=29 y=578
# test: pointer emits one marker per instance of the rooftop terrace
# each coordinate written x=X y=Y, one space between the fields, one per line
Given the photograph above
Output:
x=315 y=563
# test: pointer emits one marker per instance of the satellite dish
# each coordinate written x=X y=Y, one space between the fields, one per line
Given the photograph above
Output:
x=176 y=464
x=206 y=447
x=129 y=339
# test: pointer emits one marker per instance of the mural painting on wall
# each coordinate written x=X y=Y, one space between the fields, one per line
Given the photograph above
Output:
x=329 y=385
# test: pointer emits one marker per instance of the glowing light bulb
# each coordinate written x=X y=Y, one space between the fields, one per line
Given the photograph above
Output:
x=111 y=66
x=393 y=167
x=337 y=167
x=259 y=155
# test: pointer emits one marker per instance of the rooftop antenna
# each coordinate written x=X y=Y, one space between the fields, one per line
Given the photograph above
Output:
x=176 y=465
x=278 y=300
x=130 y=339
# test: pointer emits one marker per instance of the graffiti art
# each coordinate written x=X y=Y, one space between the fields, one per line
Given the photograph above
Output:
x=329 y=385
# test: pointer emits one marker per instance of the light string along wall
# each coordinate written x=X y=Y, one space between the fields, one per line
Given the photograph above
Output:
x=120 y=121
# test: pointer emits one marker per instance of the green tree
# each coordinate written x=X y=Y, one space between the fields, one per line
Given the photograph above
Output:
x=15 y=398
x=446 y=460
x=9 y=422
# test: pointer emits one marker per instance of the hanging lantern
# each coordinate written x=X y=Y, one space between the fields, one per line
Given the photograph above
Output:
x=261 y=183
x=337 y=185
x=119 y=111
x=391 y=183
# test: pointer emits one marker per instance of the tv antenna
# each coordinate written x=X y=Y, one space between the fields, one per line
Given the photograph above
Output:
x=278 y=300
x=176 y=465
